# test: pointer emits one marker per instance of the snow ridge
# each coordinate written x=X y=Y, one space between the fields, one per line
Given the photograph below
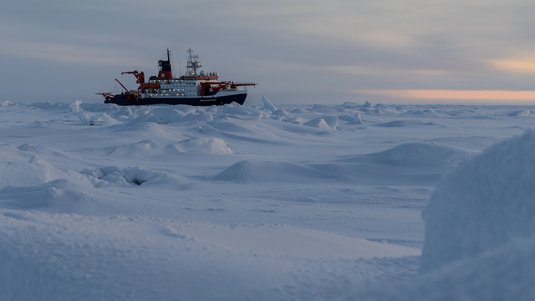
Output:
x=484 y=204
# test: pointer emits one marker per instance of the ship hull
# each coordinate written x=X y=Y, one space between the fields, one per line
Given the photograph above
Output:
x=125 y=100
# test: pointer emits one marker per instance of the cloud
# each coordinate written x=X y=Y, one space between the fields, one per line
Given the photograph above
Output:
x=341 y=45
x=66 y=53
x=382 y=70
x=454 y=95
x=520 y=64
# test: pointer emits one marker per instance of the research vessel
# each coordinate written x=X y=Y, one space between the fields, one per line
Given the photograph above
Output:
x=195 y=87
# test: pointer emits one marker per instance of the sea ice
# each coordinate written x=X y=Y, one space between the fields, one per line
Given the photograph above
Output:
x=485 y=203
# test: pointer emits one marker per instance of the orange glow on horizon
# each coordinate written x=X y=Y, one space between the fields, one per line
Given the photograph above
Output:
x=466 y=95
x=515 y=65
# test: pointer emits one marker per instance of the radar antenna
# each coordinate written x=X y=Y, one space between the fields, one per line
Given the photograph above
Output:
x=193 y=63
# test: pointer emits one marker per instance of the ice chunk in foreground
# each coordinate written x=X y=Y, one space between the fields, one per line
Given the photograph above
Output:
x=506 y=273
x=484 y=204
x=480 y=238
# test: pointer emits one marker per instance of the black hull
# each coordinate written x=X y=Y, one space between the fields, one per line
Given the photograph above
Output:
x=126 y=100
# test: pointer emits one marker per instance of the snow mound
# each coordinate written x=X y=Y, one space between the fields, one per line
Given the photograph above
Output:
x=129 y=176
x=228 y=126
x=21 y=174
x=97 y=119
x=52 y=106
x=326 y=109
x=153 y=149
x=42 y=150
x=279 y=114
x=7 y=103
x=483 y=204
x=521 y=113
x=248 y=171
x=141 y=148
x=58 y=194
x=79 y=106
x=71 y=257
x=404 y=164
x=381 y=109
x=209 y=146
x=506 y=273
x=325 y=123
x=416 y=155
x=18 y=168
x=197 y=116
x=171 y=115
x=421 y=111
x=284 y=240
x=150 y=130
x=238 y=111
x=407 y=123
x=357 y=119
x=161 y=115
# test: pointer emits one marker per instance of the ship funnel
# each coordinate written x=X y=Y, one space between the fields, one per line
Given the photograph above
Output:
x=165 y=68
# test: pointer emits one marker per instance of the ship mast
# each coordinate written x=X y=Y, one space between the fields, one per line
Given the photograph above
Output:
x=193 y=63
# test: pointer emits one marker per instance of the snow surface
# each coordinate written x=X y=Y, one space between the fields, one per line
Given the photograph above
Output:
x=483 y=204
x=101 y=202
x=480 y=238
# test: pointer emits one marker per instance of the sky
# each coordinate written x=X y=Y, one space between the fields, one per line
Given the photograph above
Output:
x=298 y=51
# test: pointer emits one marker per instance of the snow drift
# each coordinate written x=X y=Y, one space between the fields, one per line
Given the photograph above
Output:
x=505 y=273
x=71 y=257
x=416 y=155
x=209 y=146
x=124 y=176
x=482 y=205
x=248 y=171
x=57 y=195
x=480 y=231
x=286 y=202
x=19 y=166
x=404 y=163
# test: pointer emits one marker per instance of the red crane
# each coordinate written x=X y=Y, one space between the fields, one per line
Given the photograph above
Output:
x=140 y=79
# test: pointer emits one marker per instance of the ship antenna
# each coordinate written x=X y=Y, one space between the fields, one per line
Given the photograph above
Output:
x=193 y=63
